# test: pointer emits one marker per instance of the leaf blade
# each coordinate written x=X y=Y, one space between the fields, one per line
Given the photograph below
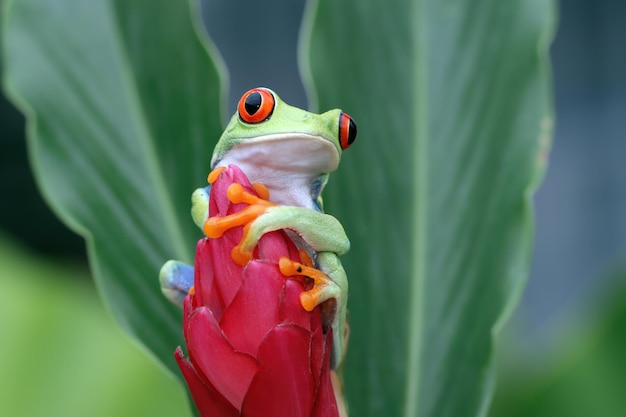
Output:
x=445 y=95
x=100 y=139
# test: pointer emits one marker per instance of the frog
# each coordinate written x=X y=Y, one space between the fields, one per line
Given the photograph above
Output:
x=290 y=152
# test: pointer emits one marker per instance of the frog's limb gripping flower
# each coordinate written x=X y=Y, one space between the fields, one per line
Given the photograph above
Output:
x=253 y=350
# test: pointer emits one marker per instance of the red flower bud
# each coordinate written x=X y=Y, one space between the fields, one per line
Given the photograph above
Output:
x=253 y=350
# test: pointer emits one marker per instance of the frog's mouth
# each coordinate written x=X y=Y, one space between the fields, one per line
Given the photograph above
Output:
x=284 y=152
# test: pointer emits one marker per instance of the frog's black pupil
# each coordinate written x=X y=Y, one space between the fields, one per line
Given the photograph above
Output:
x=253 y=102
x=351 y=132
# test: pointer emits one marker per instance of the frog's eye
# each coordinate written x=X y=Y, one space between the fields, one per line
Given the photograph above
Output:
x=347 y=131
x=256 y=105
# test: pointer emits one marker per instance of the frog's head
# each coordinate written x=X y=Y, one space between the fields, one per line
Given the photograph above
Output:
x=269 y=134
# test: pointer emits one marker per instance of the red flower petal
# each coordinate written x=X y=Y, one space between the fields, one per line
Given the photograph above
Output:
x=208 y=401
x=291 y=310
x=223 y=289
x=320 y=357
x=203 y=274
x=283 y=386
x=252 y=347
x=188 y=307
x=254 y=310
x=325 y=401
x=228 y=371
x=275 y=245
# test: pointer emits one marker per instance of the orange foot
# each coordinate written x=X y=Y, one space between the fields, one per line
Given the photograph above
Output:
x=321 y=282
x=215 y=227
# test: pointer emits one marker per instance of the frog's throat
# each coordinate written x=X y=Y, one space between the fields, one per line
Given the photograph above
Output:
x=286 y=152
x=294 y=167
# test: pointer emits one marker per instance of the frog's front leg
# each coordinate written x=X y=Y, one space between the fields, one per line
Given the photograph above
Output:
x=322 y=232
x=176 y=280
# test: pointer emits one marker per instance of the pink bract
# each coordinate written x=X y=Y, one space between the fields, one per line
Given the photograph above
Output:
x=253 y=350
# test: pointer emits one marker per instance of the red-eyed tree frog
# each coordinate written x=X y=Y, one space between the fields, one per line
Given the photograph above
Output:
x=291 y=152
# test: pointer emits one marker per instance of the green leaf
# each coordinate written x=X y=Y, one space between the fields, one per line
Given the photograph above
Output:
x=123 y=108
x=454 y=113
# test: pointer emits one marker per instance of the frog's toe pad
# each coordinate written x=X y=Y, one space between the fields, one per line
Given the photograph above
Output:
x=324 y=288
x=311 y=299
x=240 y=256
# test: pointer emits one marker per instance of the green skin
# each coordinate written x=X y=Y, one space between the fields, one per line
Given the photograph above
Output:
x=291 y=153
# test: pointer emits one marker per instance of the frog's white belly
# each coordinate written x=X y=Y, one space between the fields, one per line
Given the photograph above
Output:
x=287 y=164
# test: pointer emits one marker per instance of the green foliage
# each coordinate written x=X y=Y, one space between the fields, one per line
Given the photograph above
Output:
x=61 y=355
x=118 y=117
x=453 y=106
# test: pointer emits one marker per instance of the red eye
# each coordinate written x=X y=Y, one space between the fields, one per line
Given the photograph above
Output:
x=347 y=131
x=256 y=105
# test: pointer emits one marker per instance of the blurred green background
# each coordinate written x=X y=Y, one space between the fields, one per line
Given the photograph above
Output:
x=61 y=354
x=562 y=354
